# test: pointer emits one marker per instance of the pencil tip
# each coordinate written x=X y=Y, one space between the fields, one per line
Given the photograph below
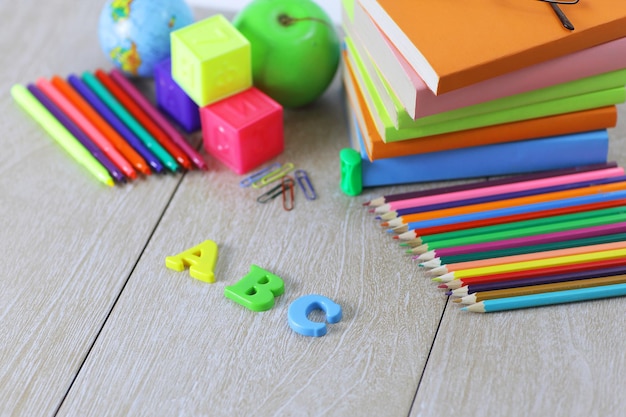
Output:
x=442 y=286
x=457 y=300
x=367 y=203
x=464 y=308
x=396 y=237
x=384 y=224
x=449 y=292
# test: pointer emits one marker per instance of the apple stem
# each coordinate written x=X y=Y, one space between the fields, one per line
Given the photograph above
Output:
x=287 y=20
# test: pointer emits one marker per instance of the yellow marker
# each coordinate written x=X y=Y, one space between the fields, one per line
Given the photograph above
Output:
x=42 y=116
x=201 y=260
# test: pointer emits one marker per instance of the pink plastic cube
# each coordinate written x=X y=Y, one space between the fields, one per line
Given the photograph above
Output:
x=243 y=131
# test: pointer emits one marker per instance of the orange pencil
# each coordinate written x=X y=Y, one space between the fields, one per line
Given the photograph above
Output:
x=514 y=202
x=120 y=144
x=143 y=118
x=86 y=126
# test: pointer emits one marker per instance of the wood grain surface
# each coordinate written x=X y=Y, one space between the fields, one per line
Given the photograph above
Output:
x=92 y=323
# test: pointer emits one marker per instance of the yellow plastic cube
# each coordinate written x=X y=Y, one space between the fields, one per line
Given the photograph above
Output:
x=211 y=60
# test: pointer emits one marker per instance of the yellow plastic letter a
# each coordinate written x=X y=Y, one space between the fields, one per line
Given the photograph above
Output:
x=201 y=260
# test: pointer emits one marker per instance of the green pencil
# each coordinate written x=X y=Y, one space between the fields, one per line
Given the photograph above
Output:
x=518 y=225
x=521 y=232
x=452 y=259
x=115 y=106
x=63 y=137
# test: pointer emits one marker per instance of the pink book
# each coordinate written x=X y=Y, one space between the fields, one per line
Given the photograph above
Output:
x=420 y=101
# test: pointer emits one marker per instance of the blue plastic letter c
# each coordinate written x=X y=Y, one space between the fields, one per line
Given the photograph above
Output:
x=300 y=309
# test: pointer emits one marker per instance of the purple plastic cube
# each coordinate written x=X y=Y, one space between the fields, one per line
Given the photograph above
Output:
x=173 y=100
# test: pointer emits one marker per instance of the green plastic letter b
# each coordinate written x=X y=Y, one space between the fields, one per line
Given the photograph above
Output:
x=256 y=290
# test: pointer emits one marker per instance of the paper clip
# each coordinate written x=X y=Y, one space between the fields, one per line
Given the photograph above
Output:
x=246 y=182
x=274 y=175
x=288 y=193
x=273 y=193
x=305 y=184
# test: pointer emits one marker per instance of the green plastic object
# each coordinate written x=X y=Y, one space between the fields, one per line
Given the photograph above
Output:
x=256 y=290
x=351 y=176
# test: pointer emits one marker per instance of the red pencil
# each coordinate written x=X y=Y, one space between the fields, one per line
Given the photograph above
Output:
x=143 y=118
x=457 y=283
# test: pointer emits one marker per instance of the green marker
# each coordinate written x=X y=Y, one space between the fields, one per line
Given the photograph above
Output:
x=42 y=116
x=115 y=106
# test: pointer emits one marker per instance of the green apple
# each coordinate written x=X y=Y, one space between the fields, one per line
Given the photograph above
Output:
x=295 y=49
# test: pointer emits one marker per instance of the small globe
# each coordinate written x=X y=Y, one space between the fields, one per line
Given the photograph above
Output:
x=135 y=34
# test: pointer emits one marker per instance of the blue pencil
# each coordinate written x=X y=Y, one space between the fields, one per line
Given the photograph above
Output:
x=116 y=123
x=550 y=298
x=528 y=208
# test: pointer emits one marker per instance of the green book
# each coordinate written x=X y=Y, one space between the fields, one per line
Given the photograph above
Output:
x=587 y=93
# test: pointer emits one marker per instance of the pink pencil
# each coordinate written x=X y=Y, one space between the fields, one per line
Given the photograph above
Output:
x=86 y=126
x=585 y=232
x=158 y=118
x=444 y=269
x=500 y=189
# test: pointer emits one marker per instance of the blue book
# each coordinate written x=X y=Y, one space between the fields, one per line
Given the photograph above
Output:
x=526 y=156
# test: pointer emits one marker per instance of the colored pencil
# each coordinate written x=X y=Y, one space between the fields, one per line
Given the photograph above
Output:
x=60 y=134
x=603 y=229
x=532 y=273
x=144 y=119
x=538 y=289
x=413 y=221
x=115 y=173
x=540 y=280
x=498 y=189
x=532 y=264
x=86 y=126
x=116 y=140
x=512 y=226
x=417 y=228
x=446 y=269
x=115 y=122
x=543 y=230
x=551 y=298
x=395 y=218
x=512 y=218
x=94 y=84
x=379 y=201
x=158 y=118
x=498 y=253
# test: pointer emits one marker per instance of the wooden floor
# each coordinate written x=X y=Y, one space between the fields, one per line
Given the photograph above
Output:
x=92 y=323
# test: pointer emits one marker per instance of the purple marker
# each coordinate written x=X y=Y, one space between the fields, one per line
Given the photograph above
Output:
x=116 y=123
x=77 y=133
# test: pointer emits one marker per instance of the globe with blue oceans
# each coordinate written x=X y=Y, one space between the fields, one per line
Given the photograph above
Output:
x=135 y=34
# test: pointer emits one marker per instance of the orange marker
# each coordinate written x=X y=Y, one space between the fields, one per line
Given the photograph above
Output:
x=120 y=144
x=143 y=118
x=85 y=125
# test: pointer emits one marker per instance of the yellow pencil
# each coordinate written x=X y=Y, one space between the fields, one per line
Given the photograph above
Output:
x=534 y=264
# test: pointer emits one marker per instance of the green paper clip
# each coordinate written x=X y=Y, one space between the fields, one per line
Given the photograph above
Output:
x=351 y=176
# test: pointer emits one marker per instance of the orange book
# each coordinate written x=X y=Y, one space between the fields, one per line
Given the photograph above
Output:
x=562 y=124
x=453 y=44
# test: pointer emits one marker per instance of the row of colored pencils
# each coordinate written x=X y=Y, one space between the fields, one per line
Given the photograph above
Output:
x=107 y=125
x=523 y=241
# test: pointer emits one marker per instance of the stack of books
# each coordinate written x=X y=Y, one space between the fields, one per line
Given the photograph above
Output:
x=438 y=90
